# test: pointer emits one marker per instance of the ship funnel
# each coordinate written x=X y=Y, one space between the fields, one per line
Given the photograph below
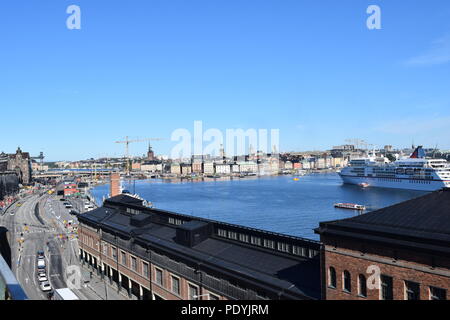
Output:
x=419 y=153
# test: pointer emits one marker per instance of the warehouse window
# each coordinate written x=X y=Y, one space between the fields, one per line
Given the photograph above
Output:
x=193 y=292
x=222 y=233
x=123 y=258
x=347 y=281
x=412 y=290
x=438 y=294
x=255 y=240
x=175 y=285
x=386 y=288
x=269 y=244
x=114 y=253
x=284 y=247
x=145 y=270
x=133 y=263
x=159 y=277
x=362 y=286
x=332 y=277
x=243 y=237
x=232 y=235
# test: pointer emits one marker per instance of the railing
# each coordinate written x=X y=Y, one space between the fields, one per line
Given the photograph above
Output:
x=10 y=288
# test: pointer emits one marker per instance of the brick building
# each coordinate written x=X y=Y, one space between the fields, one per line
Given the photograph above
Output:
x=156 y=254
x=19 y=162
x=401 y=252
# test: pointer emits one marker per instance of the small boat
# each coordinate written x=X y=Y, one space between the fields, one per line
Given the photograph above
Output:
x=296 y=179
x=352 y=206
x=363 y=185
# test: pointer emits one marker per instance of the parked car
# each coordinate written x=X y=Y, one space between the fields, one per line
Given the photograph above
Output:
x=73 y=212
x=45 y=286
x=42 y=277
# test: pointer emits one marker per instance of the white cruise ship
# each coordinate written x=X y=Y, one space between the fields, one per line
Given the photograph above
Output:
x=416 y=172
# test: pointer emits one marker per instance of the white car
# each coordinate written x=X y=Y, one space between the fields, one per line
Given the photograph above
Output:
x=42 y=277
x=45 y=286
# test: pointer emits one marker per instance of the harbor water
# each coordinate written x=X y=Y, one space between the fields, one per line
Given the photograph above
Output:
x=279 y=204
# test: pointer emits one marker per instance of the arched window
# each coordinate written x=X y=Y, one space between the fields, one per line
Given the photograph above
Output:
x=362 y=285
x=332 y=277
x=347 y=286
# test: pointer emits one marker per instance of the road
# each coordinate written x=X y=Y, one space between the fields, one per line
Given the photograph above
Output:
x=39 y=222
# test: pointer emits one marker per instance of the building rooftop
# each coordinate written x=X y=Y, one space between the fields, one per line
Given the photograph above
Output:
x=422 y=222
x=297 y=275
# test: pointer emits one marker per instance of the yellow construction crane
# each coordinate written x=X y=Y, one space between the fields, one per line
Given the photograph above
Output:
x=127 y=142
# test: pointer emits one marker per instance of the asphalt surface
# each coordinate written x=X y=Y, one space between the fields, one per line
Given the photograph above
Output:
x=39 y=223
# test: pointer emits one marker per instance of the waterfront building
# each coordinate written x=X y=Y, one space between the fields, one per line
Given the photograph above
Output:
x=209 y=168
x=402 y=250
x=223 y=168
x=197 y=166
x=288 y=165
x=175 y=168
x=152 y=166
x=136 y=166
x=157 y=254
x=300 y=165
x=186 y=169
x=235 y=168
x=248 y=167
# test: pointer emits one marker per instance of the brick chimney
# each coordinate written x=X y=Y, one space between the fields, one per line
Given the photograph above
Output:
x=114 y=186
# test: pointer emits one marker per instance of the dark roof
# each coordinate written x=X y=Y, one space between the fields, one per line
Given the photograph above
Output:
x=124 y=199
x=294 y=275
x=425 y=220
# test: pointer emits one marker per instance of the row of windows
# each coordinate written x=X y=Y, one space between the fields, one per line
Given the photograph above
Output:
x=420 y=181
x=158 y=274
x=176 y=222
x=411 y=289
x=133 y=211
x=266 y=243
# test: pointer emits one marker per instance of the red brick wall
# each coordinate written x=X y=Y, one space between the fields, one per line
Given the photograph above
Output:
x=409 y=266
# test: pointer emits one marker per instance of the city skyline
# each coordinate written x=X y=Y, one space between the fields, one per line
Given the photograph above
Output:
x=147 y=70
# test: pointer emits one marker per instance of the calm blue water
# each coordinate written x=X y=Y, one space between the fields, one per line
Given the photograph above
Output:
x=277 y=204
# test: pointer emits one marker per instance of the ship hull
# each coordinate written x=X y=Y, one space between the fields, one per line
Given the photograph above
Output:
x=408 y=184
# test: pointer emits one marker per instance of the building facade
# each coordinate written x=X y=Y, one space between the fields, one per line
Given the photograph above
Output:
x=400 y=252
x=19 y=162
x=156 y=254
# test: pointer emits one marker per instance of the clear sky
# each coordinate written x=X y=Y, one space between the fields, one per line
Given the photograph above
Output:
x=145 y=68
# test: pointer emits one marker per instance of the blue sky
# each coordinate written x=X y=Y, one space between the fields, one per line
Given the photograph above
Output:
x=145 y=68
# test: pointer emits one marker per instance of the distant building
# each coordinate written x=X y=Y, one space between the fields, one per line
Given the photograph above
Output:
x=152 y=166
x=136 y=166
x=197 y=167
x=404 y=247
x=19 y=162
x=150 y=153
x=208 y=168
x=175 y=168
x=248 y=167
x=186 y=169
x=223 y=168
